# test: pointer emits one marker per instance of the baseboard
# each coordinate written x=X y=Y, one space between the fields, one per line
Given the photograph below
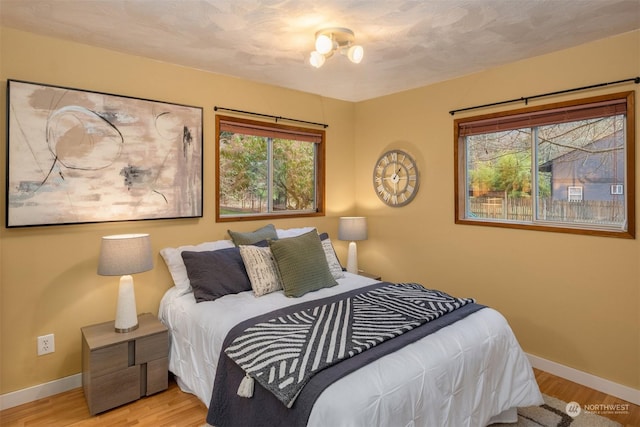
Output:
x=40 y=391
x=588 y=380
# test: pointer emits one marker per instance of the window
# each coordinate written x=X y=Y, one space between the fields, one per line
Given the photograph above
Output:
x=268 y=170
x=575 y=194
x=559 y=167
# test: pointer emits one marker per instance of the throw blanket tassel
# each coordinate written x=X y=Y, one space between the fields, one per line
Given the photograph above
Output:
x=246 y=387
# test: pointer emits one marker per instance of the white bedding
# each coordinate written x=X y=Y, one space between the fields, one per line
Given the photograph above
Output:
x=465 y=374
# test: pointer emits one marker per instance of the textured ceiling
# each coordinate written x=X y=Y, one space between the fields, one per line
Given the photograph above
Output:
x=408 y=43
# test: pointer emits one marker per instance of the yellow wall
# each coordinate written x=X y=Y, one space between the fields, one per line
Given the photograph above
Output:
x=48 y=279
x=571 y=299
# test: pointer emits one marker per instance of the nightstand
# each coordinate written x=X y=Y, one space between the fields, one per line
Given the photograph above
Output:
x=118 y=368
x=370 y=276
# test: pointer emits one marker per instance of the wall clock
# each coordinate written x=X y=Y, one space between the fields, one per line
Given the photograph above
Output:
x=396 y=178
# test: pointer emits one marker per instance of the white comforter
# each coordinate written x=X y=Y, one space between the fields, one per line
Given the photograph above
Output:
x=470 y=373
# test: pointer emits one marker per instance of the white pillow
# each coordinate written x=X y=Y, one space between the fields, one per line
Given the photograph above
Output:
x=334 y=264
x=292 y=232
x=261 y=269
x=173 y=258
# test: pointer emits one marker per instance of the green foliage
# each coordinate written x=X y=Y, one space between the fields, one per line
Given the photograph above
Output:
x=244 y=172
x=513 y=175
x=482 y=178
x=544 y=184
x=510 y=173
x=243 y=167
x=294 y=171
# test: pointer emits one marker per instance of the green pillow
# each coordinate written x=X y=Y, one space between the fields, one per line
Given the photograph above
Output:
x=302 y=264
x=265 y=233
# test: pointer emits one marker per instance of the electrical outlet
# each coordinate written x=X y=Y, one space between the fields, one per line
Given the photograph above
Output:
x=46 y=344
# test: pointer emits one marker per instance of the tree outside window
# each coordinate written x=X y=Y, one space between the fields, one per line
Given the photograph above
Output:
x=267 y=170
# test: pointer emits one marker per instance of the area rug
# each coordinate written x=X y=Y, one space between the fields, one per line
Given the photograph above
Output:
x=553 y=413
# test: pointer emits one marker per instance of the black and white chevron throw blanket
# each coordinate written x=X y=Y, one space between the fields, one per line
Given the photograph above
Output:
x=283 y=353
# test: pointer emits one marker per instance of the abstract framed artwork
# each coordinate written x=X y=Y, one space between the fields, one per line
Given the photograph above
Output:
x=76 y=156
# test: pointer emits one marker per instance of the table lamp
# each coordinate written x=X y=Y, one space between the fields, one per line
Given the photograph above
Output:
x=352 y=228
x=123 y=255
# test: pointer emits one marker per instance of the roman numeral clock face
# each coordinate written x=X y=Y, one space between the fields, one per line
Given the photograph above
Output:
x=395 y=178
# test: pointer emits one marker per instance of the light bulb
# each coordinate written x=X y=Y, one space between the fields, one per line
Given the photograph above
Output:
x=324 y=44
x=316 y=59
x=355 y=54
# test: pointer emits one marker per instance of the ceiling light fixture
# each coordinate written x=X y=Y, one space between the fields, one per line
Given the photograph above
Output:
x=335 y=39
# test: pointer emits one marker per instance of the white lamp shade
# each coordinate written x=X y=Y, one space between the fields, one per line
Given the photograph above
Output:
x=316 y=59
x=125 y=254
x=324 y=44
x=352 y=228
x=355 y=54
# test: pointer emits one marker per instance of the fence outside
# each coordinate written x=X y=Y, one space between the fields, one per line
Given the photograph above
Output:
x=521 y=209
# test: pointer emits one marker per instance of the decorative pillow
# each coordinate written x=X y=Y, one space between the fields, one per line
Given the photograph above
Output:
x=214 y=274
x=265 y=233
x=332 y=260
x=302 y=264
x=261 y=268
x=292 y=232
x=261 y=243
x=173 y=258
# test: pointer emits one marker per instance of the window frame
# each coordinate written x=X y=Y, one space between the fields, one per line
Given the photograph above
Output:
x=275 y=127
x=460 y=164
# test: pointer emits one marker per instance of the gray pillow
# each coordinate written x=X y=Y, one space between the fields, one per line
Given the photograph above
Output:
x=214 y=274
x=249 y=238
x=302 y=264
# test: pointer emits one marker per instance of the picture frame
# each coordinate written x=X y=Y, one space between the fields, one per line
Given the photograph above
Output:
x=76 y=156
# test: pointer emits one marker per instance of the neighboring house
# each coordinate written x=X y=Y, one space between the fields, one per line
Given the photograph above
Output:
x=595 y=172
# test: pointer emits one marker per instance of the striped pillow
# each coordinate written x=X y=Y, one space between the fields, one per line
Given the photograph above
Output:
x=261 y=268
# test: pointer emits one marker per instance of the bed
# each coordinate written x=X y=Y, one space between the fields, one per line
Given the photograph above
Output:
x=469 y=373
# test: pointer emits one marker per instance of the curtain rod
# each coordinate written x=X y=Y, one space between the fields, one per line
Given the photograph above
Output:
x=216 y=108
x=526 y=99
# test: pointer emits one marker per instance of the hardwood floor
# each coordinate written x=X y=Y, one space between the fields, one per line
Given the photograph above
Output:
x=587 y=397
x=175 y=408
x=168 y=408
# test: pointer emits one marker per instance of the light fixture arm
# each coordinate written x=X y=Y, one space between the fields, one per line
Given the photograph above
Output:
x=340 y=37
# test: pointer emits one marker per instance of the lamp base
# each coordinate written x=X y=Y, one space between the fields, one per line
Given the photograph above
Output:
x=124 y=331
x=126 y=315
x=352 y=258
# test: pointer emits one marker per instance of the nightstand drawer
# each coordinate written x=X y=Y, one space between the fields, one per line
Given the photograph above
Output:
x=152 y=347
x=109 y=359
x=115 y=389
x=157 y=376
